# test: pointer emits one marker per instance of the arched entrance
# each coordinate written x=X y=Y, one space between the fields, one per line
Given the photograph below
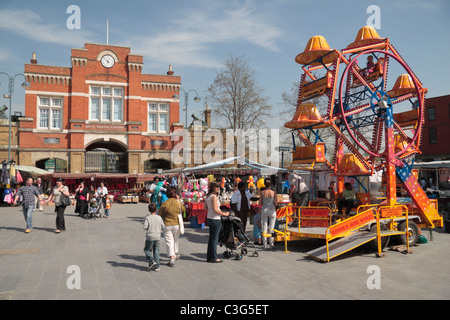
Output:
x=152 y=166
x=106 y=157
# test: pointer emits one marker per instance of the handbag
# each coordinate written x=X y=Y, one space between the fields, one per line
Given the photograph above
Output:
x=66 y=201
x=180 y=220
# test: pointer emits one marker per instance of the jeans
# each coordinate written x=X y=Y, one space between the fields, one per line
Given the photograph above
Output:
x=27 y=214
x=214 y=231
x=151 y=250
x=268 y=224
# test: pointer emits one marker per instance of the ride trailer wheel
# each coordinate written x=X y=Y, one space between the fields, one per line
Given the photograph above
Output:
x=412 y=235
x=373 y=245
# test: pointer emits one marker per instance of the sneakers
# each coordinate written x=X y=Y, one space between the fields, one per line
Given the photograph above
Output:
x=171 y=263
x=28 y=230
x=151 y=265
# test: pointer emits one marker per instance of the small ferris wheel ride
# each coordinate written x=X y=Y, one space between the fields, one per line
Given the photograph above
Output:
x=370 y=117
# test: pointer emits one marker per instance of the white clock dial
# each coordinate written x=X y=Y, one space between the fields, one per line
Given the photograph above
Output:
x=107 y=61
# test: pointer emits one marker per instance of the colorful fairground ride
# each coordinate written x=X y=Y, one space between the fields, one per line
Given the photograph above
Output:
x=366 y=123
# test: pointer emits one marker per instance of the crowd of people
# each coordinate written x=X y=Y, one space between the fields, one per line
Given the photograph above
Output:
x=31 y=197
x=167 y=218
x=164 y=218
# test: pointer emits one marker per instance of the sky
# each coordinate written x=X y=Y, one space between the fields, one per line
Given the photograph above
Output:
x=197 y=36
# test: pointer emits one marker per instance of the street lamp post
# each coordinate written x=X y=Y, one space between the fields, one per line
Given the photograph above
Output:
x=186 y=100
x=186 y=103
x=25 y=85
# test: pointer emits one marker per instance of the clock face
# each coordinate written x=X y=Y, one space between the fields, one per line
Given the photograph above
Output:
x=107 y=61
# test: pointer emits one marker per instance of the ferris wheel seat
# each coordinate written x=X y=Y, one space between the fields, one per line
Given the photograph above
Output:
x=309 y=154
x=407 y=118
x=317 y=87
x=317 y=52
x=403 y=85
x=306 y=115
x=369 y=75
x=350 y=165
x=366 y=36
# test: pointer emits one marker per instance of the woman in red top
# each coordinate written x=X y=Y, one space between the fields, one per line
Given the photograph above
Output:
x=82 y=196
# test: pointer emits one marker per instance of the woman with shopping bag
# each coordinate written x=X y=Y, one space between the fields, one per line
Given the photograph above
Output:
x=170 y=211
x=62 y=199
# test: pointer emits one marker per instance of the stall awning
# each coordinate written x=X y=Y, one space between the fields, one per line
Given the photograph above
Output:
x=264 y=169
x=34 y=171
x=432 y=164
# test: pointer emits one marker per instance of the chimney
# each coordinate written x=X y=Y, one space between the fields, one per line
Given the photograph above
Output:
x=208 y=116
x=170 y=72
x=33 y=59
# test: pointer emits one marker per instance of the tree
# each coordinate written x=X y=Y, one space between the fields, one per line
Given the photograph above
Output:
x=235 y=96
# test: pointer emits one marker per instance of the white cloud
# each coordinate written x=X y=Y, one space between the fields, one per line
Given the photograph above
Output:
x=189 y=39
x=30 y=25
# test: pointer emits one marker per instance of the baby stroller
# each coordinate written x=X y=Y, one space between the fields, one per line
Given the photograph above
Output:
x=94 y=209
x=232 y=236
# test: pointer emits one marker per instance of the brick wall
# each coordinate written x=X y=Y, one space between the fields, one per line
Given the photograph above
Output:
x=72 y=86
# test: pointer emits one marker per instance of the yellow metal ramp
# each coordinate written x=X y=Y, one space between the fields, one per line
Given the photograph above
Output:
x=342 y=245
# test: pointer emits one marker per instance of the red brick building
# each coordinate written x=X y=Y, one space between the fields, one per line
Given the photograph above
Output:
x=102 y=114
x=436 y=129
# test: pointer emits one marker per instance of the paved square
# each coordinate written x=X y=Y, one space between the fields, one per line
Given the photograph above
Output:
x=109 y=256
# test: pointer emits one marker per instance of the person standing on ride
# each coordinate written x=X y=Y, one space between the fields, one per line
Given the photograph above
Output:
x=212 y=205
x=268 y=200
x=298 y=191
x=169 y=212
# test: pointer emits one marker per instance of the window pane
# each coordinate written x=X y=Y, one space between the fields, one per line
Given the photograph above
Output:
x=57 y=102
x=118 y=92
x=118 y=110
x=95 y=90
x=431 y=113
x=153 y=107
x=106 y=91
x=43 y=116
x=95 y=108
x=163 y=107
x=152 y=122
x=163 y=122
x=44 y=101
x=106 y=109
x=432 y=135
x=56 y=119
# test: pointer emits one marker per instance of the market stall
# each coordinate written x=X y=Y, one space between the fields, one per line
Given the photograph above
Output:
x=195 y=181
